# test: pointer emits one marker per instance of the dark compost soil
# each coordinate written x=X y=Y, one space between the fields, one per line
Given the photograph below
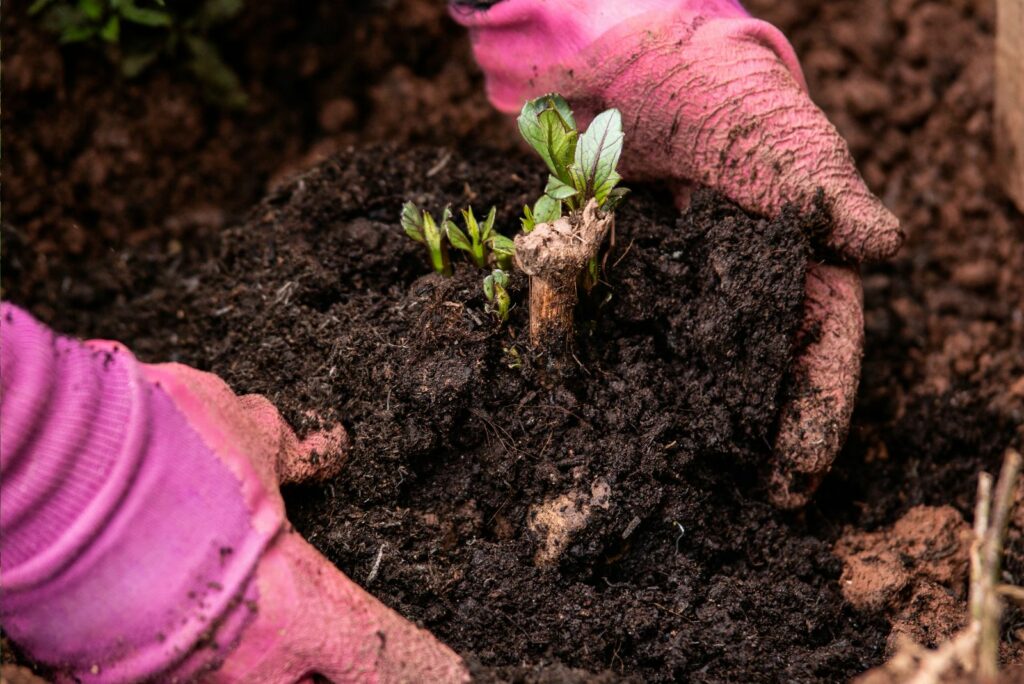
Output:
x=111 y=230
x=319 y=301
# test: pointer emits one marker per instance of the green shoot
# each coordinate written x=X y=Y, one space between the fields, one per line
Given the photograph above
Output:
x=546 y=210
x=582 y=166
x=476 y=239
x=479 y=240
x=144 y=31
x=496 y=291
x=512 y=358
x=503 y=249
x=421 y=227
x=562 y=256
x=528 y=221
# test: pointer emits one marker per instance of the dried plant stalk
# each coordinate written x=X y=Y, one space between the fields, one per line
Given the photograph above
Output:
x=554 y=255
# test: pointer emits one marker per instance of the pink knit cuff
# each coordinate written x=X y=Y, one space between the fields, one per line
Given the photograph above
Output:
x=127 y=544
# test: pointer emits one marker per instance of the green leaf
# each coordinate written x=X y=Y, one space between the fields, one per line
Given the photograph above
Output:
x=93 y=9
x=430 y=230
x=142 y=15
x=577 y=179
x=602 y=191
x=433 y=236
x=472 y=227
x=500 y=277
x=598 y=151
x=412 y=222
x=545 y=127
x=111 y=31
x=489 y=287
x=38 y=6
x=547 y=210
x=503 y=301
x=134 y=63
x=487 y=229
x=527 y=221
x=502 y=245
x=561 y=141
x=557 y=103
x=558 y=190
x=458 y=239
x=220 y=83
x=615 y=198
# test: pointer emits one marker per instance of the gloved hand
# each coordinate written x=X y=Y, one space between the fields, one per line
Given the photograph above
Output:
x=712 y=96
x=145 y=536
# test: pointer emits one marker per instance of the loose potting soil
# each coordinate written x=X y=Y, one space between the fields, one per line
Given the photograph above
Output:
x=321 y=302
x=114 y=192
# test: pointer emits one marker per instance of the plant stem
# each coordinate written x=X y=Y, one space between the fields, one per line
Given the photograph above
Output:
x=991 y=517
x=441 y=261
x=553 y=255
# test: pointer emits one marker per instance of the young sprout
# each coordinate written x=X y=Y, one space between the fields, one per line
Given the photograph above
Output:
x=496 y=291
x=560 y=249
x=545 y=210
x=476 y=239
x=420 y=226
x=504 y=251
x=582 y=167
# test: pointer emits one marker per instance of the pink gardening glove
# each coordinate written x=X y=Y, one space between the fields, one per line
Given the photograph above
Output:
x=144 y=535
x=712 y=96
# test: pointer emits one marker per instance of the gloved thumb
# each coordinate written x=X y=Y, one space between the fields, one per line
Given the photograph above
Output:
x=721 y=101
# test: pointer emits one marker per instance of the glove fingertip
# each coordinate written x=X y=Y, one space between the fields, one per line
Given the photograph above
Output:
x=319 y=456
x=816 y=418
x=866 y=231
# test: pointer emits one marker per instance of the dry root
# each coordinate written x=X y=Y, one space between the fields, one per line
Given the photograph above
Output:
x=556 y=521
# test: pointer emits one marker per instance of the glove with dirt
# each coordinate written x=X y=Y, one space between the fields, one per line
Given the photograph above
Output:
x=712 y=96
x=145 y=536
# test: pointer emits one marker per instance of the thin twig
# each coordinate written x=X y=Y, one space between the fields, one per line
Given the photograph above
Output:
x=981 y=512
x=991 y=558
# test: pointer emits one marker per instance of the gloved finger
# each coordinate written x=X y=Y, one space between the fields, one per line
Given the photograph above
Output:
x=755 y=135
x=814 y=422
x=319 y=456
x=251 y=425
x=313 y=620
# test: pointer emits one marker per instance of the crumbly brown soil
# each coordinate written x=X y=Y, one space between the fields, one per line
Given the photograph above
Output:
x=908 y=83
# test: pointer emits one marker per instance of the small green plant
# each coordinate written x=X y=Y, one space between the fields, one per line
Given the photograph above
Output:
x=481 y=241
x=561 y=255
x=143 y=30
x=504 y=251
x=582 y=166
x=496 y=291
x=421 y=227
x=473 y=240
